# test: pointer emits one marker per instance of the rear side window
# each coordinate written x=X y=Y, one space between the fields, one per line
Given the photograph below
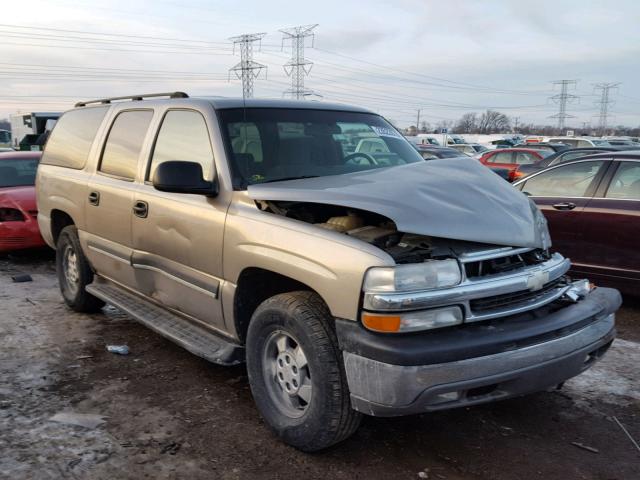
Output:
x=571 y=180
x=124 y=143
x=71 y=139
x=626 y=182
x=183 y=136
x=500 y=157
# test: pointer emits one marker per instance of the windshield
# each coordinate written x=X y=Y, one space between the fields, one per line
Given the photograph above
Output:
x=271 y=144
x=601 y=143
x=16 y=172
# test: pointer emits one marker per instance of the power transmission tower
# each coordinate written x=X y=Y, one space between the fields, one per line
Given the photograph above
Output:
x=247 y=69
x=562 y=99
x=604 y=103
x=298 y=67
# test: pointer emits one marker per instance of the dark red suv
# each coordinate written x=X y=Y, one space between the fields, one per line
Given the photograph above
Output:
x=593 y=209
x=512 y=158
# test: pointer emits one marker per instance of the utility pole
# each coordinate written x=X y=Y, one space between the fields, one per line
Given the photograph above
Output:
x=418 y=123
x=515 y=126
x=562 y=99
x=247 y=69
x=298 y=67
x=604 y=103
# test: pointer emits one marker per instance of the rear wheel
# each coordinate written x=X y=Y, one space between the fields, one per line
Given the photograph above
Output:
x=296 y=372
x=74 y=272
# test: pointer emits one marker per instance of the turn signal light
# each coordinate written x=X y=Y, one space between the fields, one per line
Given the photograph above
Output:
x=381 y=323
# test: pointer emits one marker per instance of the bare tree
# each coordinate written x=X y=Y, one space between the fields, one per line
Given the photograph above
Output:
x=468 y=123
x=442 y=124
x=492 y=121
x=424 y=127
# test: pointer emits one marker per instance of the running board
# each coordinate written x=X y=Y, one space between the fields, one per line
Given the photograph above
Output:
x=194 y=338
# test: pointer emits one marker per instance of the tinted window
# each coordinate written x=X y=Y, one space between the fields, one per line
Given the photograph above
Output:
x=571 y=155
x=18 y=172
x=72 y=137
x=626 y=182
x=500 y=157
x=183 y=136
x=525 y=158
x=122 y=149
x=566 y=181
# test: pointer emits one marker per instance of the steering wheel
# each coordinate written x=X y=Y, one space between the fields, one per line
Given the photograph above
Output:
x=352 y=156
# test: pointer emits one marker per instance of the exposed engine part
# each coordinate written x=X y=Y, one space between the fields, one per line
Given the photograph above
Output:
x=378 y=230
x=345 y=223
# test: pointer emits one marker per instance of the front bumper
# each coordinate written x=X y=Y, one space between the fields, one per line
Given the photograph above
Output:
x=476 y=363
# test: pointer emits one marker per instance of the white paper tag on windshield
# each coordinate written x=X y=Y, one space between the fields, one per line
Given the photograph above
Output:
x=385 y=131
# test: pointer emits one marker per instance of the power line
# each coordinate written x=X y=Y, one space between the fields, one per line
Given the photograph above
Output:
x=604 y=103
x=562 y=99
x=247 y=69
x=298 y=67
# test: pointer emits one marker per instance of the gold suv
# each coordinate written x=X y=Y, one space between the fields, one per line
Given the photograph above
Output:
x=314 y=243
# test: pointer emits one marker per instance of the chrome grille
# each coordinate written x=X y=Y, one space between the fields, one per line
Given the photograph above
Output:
x=508 y=300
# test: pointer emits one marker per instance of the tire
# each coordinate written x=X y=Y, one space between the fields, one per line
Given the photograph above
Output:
x=74 y=273
x=304 y=322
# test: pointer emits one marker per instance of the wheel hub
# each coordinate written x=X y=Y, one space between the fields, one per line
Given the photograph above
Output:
x=288 y=375
x=70 y=267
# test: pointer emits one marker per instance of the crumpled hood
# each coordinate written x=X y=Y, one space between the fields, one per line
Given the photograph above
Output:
x=450 y=198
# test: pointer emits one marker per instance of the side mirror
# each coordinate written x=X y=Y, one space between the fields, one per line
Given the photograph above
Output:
x=183 y=177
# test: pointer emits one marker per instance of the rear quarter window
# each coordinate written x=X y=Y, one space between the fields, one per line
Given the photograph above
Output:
x=72 y=137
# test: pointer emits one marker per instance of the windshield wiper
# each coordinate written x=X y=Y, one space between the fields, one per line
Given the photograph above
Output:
x=284 y=179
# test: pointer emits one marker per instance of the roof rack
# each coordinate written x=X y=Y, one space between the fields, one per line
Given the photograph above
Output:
x=134 y=98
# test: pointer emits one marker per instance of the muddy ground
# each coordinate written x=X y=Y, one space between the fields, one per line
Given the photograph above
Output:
x=168 y=414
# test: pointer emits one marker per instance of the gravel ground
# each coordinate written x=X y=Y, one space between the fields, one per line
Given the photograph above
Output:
x=160 y=412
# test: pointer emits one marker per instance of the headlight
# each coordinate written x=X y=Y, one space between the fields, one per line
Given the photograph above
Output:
x=413 y=277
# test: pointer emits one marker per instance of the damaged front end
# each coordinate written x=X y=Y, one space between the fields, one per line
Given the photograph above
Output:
x=439 y=282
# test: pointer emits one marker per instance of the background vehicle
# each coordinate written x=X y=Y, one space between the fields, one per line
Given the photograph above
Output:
x=244 y=230
x=5 y=139
x=18 y=212
x=561 y=157
x=580 y=141
x=432 y=152
x=512 y=159
x=470 y=149
x=27 y=129
x=551 y=147
x=593 y=209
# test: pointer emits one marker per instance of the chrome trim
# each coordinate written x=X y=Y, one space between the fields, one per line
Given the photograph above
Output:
x=470 y=289
x=469 y=257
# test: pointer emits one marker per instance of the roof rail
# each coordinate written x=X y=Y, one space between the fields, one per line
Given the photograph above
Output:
x=134 y=98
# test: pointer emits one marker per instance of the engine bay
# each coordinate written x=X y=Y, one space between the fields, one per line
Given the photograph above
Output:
x=381 y=232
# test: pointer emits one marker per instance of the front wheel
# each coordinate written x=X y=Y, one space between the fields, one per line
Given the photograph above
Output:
x=296 y=372
x=74 y=272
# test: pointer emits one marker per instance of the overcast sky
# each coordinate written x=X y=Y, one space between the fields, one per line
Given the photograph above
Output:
x=443 y=57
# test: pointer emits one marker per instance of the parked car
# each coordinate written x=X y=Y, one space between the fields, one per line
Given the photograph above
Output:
x=512 y=159
x=562 y=157
x=18 y=211
x=429 y=152
x=470 y=149
x=579 y=142
x=593 y=209
x=350 y=283
x=432 y=153
x=551 y=147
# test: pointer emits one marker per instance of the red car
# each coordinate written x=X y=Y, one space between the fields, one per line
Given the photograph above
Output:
x=593 y=209
x=511 y=159
x=18 y=211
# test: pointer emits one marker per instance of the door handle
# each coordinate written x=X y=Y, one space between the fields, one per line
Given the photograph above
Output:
x=94 y=198
x=564 y=206
x=141 y=209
